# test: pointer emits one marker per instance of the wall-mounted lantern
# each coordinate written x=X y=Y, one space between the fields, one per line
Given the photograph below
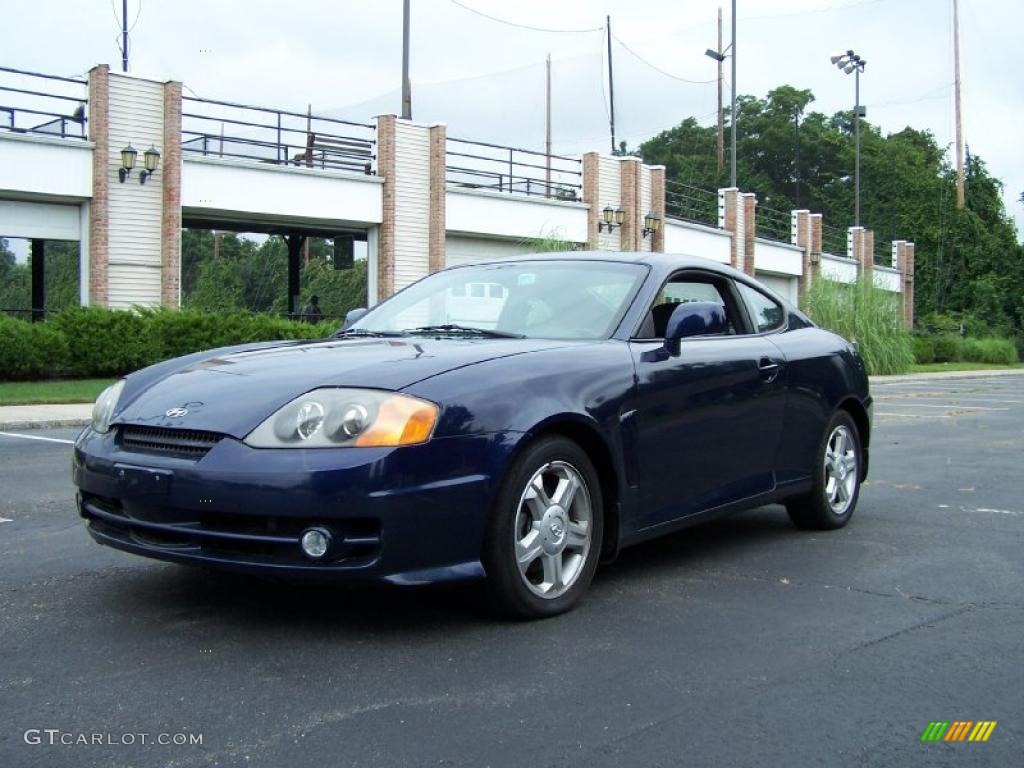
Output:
x=128 y=155
x=150 y=162
x=652 y=223
x=612 y=218
x=151 y=159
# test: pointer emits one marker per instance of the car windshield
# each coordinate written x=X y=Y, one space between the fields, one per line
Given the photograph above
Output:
x=570 y=299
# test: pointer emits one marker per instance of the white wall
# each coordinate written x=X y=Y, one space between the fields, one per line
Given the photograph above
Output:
x=887 y=279
x=231 y=189
x=779 y=258
x=44 y=166
x=783 y=285
x=136 y=118
x=462 y=249
x=46 y=221
x=609 y=193
x=646 y=243
x=412 y=202
x=501 y=214
x=696 y=240
x=840 y=270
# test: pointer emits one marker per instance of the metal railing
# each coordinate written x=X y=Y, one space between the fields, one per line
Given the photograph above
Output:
x=479 y=165
x=47 y=105
x=689 y=203
x=775 y=225
x=833 y=240
x=240 y=131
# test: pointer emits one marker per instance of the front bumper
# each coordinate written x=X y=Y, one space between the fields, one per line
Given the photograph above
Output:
x=409 y=515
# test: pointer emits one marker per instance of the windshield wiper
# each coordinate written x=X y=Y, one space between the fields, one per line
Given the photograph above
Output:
x=464 y=330
x=363 y=332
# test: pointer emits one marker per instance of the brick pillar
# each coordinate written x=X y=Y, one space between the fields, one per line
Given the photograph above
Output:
x=590 y=197
x=386 y=238
x=436 y=245
x=800 y=235
x=629 y=198
x=867 y=264
x=730 y=218
x=855 y=245
x=658 y=206
x=99 y=210
x=170 y=224
x=907 y=268
x=749 y=230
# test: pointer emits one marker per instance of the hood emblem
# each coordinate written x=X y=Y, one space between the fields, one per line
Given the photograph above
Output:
x=176 y=413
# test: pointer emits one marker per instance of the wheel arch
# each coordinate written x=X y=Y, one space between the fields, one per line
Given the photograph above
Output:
x=861 y=419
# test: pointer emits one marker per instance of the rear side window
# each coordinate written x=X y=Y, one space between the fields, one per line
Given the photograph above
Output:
x=767 y=313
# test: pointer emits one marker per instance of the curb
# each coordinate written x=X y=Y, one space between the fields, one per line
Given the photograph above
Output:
x=940 y=375
x=42 y=424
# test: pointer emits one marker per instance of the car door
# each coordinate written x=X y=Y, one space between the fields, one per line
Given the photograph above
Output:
x=707 y=421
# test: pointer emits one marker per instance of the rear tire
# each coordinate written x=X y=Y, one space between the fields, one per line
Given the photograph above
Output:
x=543 y=540
x=833 y=497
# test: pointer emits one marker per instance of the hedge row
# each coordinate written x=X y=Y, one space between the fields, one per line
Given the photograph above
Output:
x=92 y=342
x=952 y=348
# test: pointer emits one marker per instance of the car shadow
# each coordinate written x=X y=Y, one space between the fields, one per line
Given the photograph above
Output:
x=169 y=593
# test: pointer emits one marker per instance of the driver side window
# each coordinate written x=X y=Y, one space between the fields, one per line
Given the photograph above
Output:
x=681 y=289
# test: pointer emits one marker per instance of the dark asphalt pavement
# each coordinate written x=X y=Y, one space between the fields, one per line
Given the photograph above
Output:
x=741 y=643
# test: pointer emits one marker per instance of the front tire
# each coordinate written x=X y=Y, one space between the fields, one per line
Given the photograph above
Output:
x=833 y=498
x=544 y=537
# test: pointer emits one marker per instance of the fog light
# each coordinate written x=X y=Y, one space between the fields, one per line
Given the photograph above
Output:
x=315 y=543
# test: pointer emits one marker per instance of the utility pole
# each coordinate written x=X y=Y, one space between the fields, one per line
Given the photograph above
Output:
x=124 y=36
x=732 y=121
x=611 y=84
x=856 y=134
x=406 y=88
x=547 y=132
x=960 y=196
x=721 y=111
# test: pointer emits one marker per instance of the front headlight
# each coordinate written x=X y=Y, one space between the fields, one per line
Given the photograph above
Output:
x=103 y=410
x=338 y=417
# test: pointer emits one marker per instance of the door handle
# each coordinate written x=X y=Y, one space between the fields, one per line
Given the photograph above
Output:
x=768 y=369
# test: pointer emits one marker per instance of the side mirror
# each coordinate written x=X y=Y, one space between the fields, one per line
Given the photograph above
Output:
x=352 y=317
x=694 y=318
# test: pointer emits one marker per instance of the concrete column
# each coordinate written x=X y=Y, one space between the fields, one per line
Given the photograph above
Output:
x=868 y=253
x=658 y=206
x=907 y=269
x=591 y=165
x=170 y=174
x=629 y=199
x=436 y=237
x=800 y=235
x=99 y=210
x=855 y=245
x=386 y=237
x=749 y=230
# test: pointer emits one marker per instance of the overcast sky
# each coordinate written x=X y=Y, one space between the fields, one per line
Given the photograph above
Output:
x=485 y=79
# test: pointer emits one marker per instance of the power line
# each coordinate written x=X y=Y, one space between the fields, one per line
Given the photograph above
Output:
x=523 y=26
x=659 y=69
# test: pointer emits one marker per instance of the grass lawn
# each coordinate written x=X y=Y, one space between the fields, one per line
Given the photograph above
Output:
x=940 y=367
x=51 y=391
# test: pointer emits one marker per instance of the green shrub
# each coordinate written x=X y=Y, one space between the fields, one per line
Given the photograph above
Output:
x=105 y=342
x=924 y=349
x=991 y=350
x=949 y=348
x=30 y=350
x=866 y=314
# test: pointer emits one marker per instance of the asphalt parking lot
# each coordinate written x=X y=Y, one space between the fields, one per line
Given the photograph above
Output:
x=744 y=642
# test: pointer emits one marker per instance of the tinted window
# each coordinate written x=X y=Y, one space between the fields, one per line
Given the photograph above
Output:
x=767 y=313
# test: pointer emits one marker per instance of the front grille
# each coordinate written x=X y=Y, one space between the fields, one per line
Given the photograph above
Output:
x=188 y=443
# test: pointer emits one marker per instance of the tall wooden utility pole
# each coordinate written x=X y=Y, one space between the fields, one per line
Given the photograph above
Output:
x=721 y=111
x=547 y=132
x=960 y=197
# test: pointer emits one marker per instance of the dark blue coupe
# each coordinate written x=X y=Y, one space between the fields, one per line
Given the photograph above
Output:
x=517 y=420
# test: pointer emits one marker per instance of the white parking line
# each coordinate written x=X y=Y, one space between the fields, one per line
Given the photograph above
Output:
x=5 y=520
x=37 y=437
x=951 y=407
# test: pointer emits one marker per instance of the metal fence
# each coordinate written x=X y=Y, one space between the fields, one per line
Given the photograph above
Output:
x=47 y=105
x=479 y=165
x=833 y=240
x=240 y=131
x=689 y=203
x=775 y=225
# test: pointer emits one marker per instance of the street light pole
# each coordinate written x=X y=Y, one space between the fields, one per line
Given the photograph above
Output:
x=850 y=62
x=732 y=121
x=406 y=88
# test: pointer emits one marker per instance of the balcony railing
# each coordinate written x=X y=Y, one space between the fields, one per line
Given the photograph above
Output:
x=43 y=105
x=225 y=129
x=479 y=165
x=689 y=203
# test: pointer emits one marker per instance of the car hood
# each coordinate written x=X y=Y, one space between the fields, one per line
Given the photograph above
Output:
x=233 y=392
